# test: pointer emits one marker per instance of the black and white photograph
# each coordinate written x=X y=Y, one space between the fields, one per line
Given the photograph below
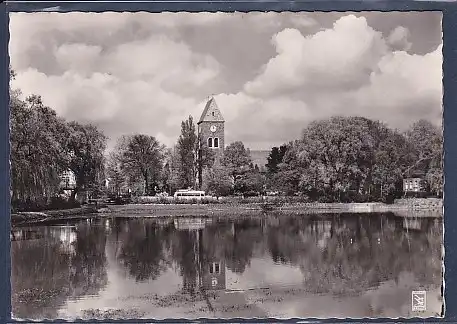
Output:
x=226 y=165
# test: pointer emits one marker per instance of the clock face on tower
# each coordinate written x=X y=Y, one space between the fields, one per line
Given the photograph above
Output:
x=213 y=128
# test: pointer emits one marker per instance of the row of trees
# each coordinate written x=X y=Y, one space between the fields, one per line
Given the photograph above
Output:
x=355 y=158
x=142 y=163
x=44 y=145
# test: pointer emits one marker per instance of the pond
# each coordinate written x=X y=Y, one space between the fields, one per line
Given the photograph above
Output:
x=274 y=265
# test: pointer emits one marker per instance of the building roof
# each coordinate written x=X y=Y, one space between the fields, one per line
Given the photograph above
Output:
x=211 y=112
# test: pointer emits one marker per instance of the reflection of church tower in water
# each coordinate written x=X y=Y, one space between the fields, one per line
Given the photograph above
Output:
x=211 y=128
x=211 y=269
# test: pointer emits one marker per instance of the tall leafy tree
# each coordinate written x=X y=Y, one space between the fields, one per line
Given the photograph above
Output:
x=141 y=157
x=349 y=154
x=236 y=159
x=217 y=181
x=205 y=158
x=287 y=179
x=427 y=141
x=251 y=181
x=85 y=146
x=37 y=149
x=275 y=158
x=192 y=156
x=186 y=146
x=117 y=179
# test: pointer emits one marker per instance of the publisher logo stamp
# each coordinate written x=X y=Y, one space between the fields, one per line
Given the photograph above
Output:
x=418 y=301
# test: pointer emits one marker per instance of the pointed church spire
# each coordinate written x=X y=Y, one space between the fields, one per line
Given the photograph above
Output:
x=211 y=113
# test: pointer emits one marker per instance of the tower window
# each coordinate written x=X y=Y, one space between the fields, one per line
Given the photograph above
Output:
x=215 y=267
x=216 y=142
x=212 y=113
x=210 y=142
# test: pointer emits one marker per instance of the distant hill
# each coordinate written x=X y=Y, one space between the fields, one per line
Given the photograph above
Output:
x=260 y=158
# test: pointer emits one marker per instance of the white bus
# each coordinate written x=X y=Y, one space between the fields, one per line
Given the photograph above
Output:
x=189 y=194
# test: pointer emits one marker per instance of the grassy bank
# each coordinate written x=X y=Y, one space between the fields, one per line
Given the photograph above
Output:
x=405 y=208
x=28 y=218
x=208 y=209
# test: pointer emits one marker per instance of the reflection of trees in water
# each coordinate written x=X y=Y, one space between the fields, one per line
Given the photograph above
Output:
x=148 y=249
x=239 y=247
x=362 y=251
x=142 y=250
x=184 y=253
x=44 y=275
x=287 y=241
x=88 y=273
x=335 y=253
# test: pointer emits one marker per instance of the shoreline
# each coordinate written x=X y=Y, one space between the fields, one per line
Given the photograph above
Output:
x=402 y=209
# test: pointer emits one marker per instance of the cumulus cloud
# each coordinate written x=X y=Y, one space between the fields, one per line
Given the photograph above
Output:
x=139 y=83
x=351 y=69
x=271 y=73
x=340 y=56
x=398 y=39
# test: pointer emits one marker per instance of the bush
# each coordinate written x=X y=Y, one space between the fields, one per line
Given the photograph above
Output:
x=42 y=204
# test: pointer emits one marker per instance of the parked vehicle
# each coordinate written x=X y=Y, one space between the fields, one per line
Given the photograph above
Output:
x=189 y=194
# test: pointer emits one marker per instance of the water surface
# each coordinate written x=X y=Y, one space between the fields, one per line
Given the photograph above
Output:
x=363 y=265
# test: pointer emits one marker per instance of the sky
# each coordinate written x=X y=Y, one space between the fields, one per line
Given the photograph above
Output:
x=270 y=73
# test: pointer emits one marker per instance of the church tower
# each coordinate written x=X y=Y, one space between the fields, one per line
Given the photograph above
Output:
x=211 y=128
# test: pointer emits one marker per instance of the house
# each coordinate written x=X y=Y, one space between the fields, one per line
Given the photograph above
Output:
x=414 y=185
x=67 y=180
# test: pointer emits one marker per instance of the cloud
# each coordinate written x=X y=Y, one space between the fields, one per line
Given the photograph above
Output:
x=351 y=69
x=137 y=86
x=405 y=85
x=398 y=39
x=332 y=58
x=271 y=73
x=303 y=21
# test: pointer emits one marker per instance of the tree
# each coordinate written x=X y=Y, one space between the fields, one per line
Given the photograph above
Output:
x=85 y=146
x=392 y=158
x=427 y=142
x=236 y=159
x=205 y=158
x=141 y=157
x=347 y=155
x=192 y=156
x=114 y=171
x=250 y=182
x=218 y=181
x=174 y=168
x=434 y=178
x=275 y=158
x=287 y=178
x=167 y=171
x=186 y=148
x=38 y=153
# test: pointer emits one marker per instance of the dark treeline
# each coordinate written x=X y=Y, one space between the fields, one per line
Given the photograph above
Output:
x=357 y=159
x=339 y=159
x=342 y=159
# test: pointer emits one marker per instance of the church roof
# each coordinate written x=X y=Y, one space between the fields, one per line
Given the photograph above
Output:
x=211 y=112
